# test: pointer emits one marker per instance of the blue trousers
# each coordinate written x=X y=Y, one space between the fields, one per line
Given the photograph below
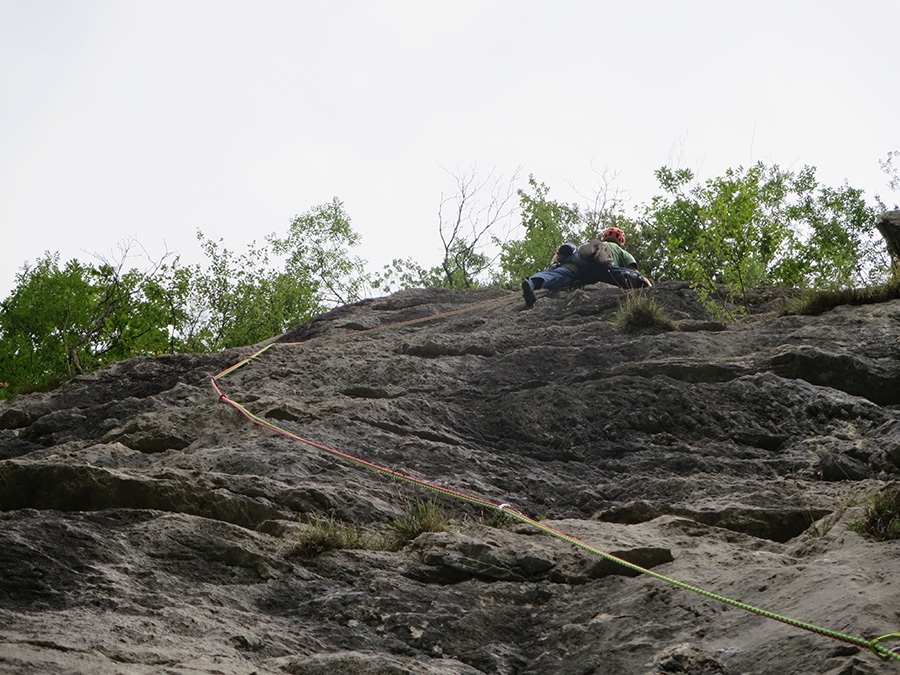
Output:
x=563 y=277
x=553 y=280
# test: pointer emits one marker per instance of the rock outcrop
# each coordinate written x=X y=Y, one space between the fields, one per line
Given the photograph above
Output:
x=888 y=225
x=148 y=527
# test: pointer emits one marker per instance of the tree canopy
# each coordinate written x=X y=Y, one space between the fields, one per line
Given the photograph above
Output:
x=759 y=226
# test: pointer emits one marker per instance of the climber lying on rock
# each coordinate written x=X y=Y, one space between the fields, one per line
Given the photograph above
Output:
x=603 y=260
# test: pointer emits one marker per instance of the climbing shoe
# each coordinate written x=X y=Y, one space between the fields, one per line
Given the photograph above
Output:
x=528 y=293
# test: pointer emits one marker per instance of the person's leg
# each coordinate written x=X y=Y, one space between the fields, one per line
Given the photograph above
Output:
x=551 y=280
x=624 y=277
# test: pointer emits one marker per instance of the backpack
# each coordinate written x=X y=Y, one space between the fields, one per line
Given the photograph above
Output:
x=596 y=253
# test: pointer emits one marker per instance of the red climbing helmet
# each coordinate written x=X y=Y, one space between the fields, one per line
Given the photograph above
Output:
x=613 y=234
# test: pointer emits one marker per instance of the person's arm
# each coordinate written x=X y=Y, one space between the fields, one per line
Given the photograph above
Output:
x=627 y=260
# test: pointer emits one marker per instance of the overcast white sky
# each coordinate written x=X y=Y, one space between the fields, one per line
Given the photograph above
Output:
x=152 y=118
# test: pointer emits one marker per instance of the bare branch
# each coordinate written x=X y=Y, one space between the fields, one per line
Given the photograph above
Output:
x=468 y=230
x=603 y=203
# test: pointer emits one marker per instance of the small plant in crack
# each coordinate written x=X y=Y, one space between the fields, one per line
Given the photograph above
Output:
x=823 y=526
x=499 y=520
x=428 y=516
x=881 y=519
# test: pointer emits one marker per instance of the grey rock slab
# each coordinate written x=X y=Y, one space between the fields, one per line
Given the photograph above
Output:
x=147 y=526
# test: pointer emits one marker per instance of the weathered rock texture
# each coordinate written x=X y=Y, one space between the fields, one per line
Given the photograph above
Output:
x=889 y=226
x=145 y=527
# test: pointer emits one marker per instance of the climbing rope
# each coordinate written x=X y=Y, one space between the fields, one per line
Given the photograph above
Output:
x=874 y=645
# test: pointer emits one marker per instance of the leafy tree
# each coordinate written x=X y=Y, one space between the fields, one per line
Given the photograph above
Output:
x=240 y=299
x=839 y=247
x=758 y=226
x=725 y=231
x=546 y=224
x=64 y=321
x=237 y=299
x=403 y=273
x=317 y=256
x=461 y=267
x=35 y=324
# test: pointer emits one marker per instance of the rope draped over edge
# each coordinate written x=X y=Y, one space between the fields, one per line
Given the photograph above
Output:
x=874 y=644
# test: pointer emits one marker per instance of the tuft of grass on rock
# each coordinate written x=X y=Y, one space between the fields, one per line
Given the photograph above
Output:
x=811 y=302
x=638 y=311
x=422 y=517
x=881 y=519
x=328 y=534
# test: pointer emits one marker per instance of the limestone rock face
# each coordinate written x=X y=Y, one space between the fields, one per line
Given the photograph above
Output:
x=147 y=526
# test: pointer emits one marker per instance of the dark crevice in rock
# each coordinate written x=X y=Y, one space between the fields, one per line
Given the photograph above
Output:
x=877 y=381
x=370 y=392
x=447 y=559
x=778 y=525
x=67 y=487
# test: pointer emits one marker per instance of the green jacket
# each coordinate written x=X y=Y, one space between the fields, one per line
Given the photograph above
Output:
x=621 y=257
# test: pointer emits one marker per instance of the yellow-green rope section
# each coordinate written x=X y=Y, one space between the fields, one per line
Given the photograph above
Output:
x=873 y=645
